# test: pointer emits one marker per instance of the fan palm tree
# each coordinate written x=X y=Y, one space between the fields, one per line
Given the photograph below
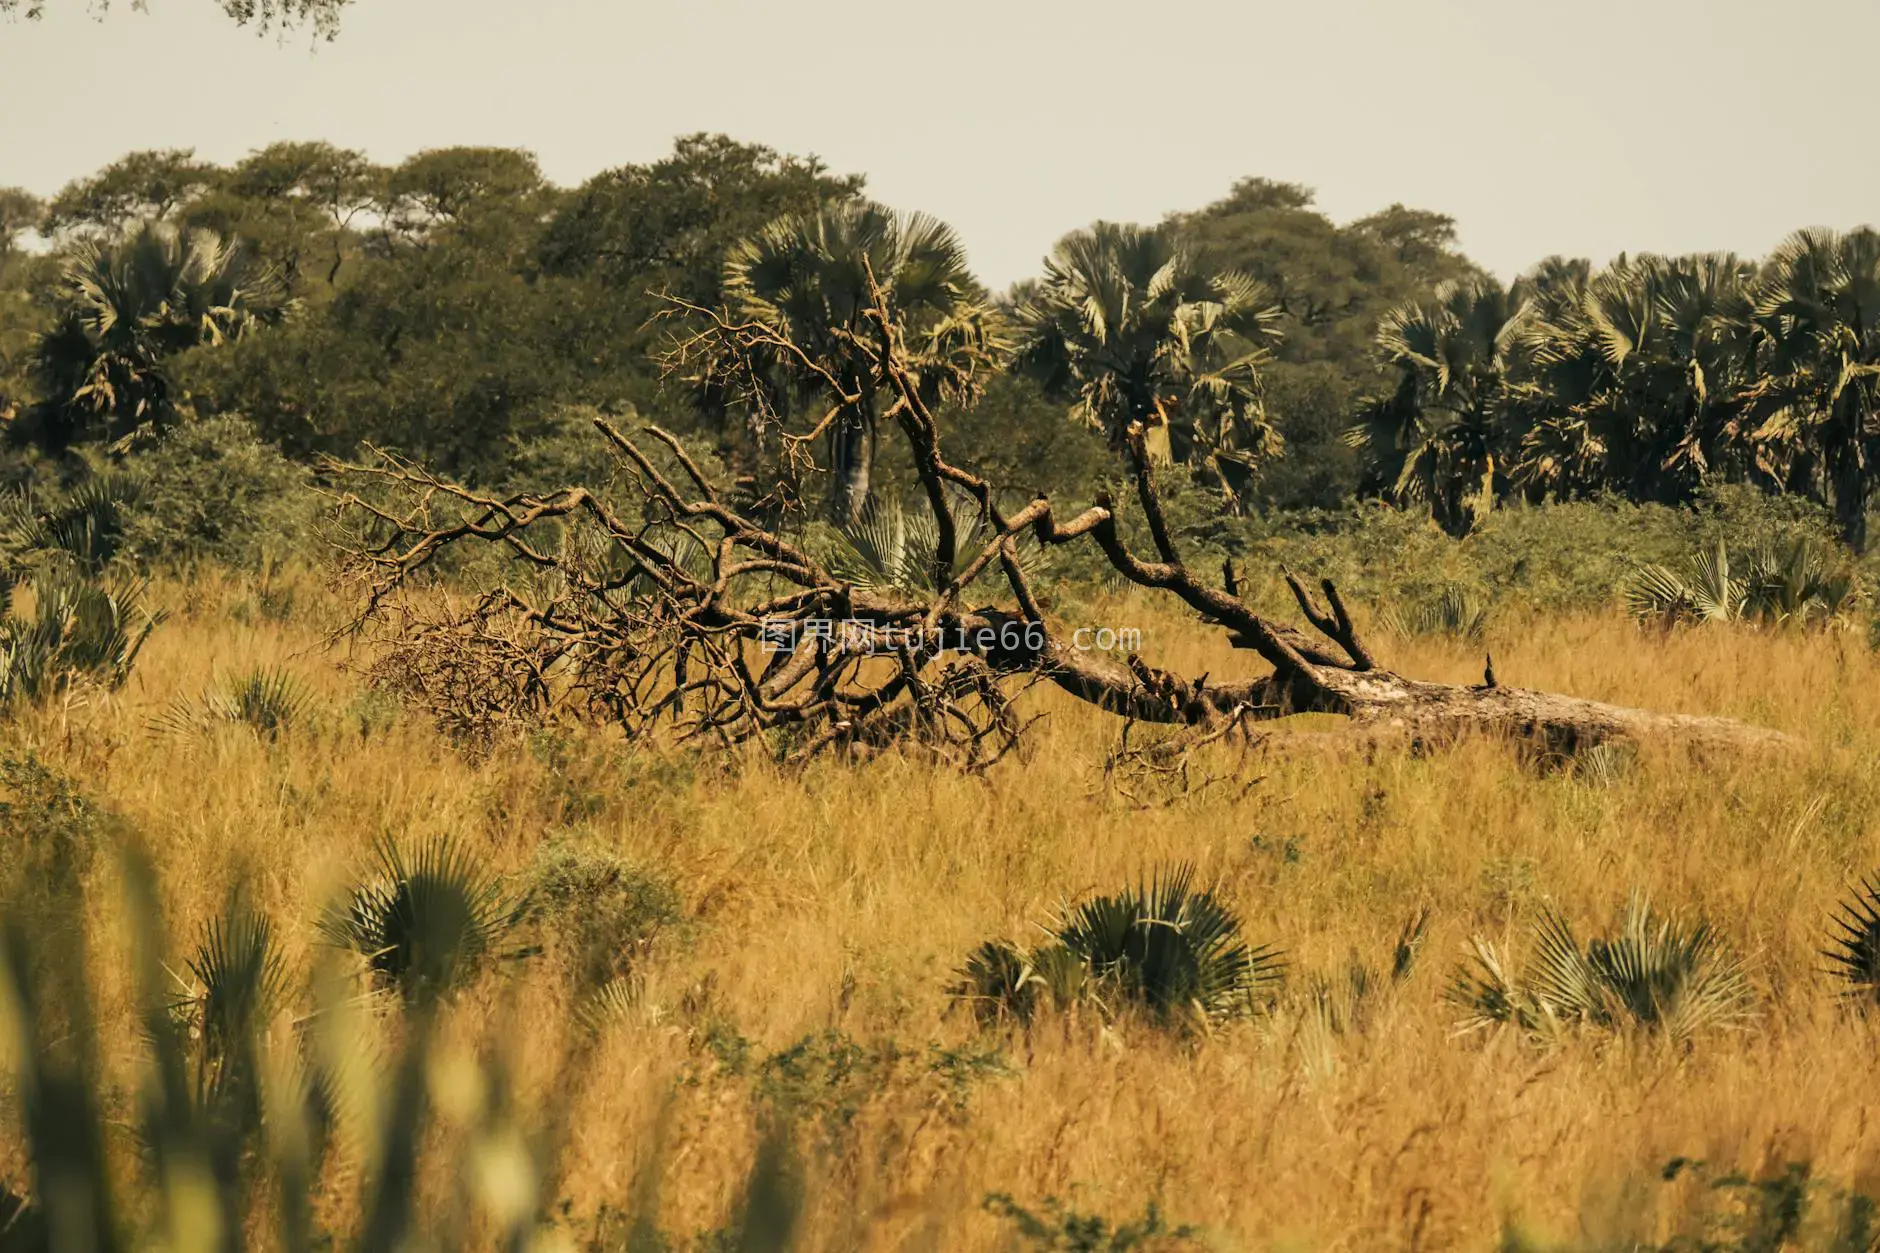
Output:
x=127 y=308
x=1817 y=402
x=807 y=276
x=1443 y=434
x=1632 y=375
x=1161 y=352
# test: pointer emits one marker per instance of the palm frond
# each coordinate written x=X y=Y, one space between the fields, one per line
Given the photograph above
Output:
x=1655 y=974
x=424 y=923
x=1853 y=950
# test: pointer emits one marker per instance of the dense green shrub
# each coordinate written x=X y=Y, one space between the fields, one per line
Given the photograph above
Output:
x=213 y=490
x=601 y=910
x=50 y=830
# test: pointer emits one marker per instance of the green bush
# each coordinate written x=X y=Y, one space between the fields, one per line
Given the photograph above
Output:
x=213 y=490
x=50 y=830
x=601 y=910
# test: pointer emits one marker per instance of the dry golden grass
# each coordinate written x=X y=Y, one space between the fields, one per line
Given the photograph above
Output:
x=843 y=899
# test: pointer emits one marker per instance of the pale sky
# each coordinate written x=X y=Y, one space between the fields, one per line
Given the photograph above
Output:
x=1585 y=127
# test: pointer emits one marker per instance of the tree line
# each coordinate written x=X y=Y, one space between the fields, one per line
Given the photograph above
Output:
x=460 y=309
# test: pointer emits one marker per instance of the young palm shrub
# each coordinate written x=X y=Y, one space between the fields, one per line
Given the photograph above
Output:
x=1656 y=975
x=240 y=978
x=1796 y=585
x=77 y=630
x=1703 y=590
x=1165 y=948
x=266 y=700
x=1454 y=613
x=84 y=525
x=424 y=924
x=1349 y=1003
x=1777 y=586
x=1853 y=950
x=888 y=545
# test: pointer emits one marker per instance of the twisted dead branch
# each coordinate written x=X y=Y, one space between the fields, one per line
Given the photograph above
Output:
x=681 y=611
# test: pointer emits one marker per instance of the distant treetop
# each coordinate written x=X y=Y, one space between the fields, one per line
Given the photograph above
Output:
x=265 y=15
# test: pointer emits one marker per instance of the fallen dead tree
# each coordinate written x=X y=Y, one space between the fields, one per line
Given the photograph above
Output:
x=678 y=608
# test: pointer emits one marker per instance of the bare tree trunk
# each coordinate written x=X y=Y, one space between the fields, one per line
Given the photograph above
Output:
x=851 y=460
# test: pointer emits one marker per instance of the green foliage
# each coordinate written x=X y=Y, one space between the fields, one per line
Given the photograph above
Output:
x=1332 y=284
x=1796 y=585
x=829 y=1078
x=1454 y=613
x=148 y=184
x=212 y=490
x=1156 y=349
x=426 y=924
x=1654 y=975
x=50 y=829
x=668 y=225
x=126 y=308
x=1165 y=949
x=604 y=912
x=1437 y=440
x=80 y=529
x=1063 y=1229
x=894 y=546
x=77 y=631
x=811 y=279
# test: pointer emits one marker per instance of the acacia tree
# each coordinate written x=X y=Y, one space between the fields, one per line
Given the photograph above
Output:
x=1158 y=351
x=654 y=607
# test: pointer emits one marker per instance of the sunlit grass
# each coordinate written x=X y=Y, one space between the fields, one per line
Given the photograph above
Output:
x=846 y=899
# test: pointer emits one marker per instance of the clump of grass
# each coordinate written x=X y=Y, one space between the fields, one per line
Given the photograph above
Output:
x=425 y=924
x=1166 y=949
x=1655 y=974
x=1348 y=1002
x=267 y=700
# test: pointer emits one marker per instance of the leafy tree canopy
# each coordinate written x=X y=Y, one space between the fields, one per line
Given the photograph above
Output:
x=668 y=225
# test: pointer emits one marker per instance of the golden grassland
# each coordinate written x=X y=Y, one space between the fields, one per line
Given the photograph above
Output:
x=844 y=898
